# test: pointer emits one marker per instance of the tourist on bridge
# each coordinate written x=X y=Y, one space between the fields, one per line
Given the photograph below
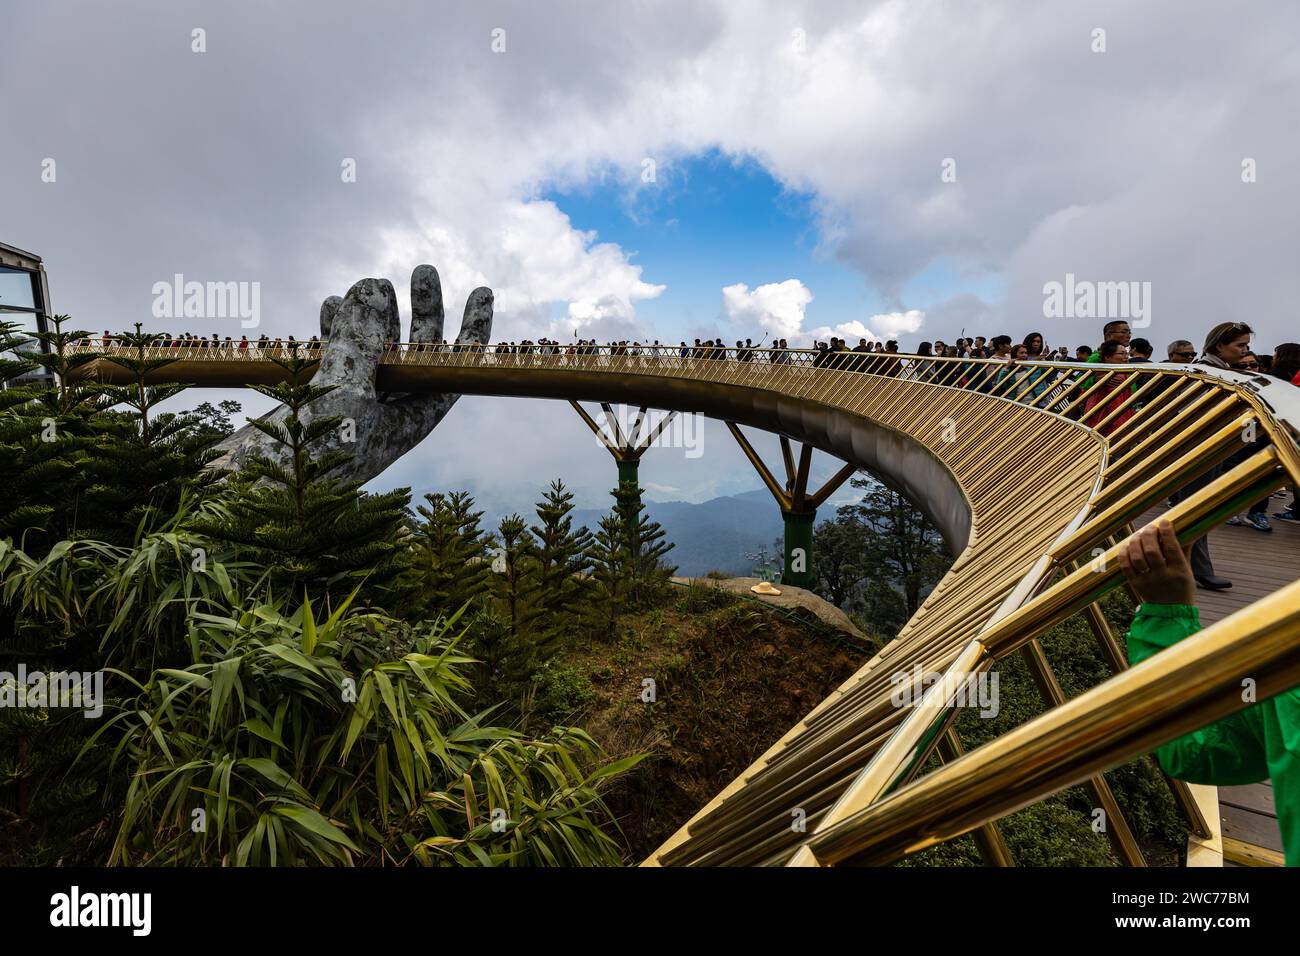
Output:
x=1255 y=744
x=1116 y=330
x=1037 y=350
x=1110 y=395
x=1286 y=366
x=1257 y=516
x=1227 y=342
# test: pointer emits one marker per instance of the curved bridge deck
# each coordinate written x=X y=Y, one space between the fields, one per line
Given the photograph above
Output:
x=1033 y=472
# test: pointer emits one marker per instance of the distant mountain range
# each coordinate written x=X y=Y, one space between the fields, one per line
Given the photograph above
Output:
x=715 y=535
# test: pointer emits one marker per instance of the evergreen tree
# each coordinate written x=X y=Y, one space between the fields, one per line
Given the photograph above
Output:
x=28 y=472
x=215 y=419
x=47 y=429
x=609 y=578
x=841 y=567
x=310 y=530
x=139 y=395
x=506 y=637
x=643 y=546
x=561 y=554
x=901 y=545
x=447 y=561
x=519 y=580
x=143 y=462
x=48 y=433
x=879 y=557
x=536 y=588
x=626 y=556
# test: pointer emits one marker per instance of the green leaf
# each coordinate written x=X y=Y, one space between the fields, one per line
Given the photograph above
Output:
x=312 y=821
x=308 y=628
x=261 y=729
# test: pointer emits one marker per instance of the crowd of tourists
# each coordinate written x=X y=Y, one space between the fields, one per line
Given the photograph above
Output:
x=185 y=340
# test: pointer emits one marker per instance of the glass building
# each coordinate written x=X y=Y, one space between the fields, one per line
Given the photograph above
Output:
x=24 y=294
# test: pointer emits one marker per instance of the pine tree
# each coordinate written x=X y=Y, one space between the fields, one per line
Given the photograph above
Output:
x=537 y=586
x=902 y=547
x=561 y=556
x=28 y=471
x=609 y=578
x=447 y=561
x=509 y=637
x=46 y=431
x=311 y=531
x=138 y=395
x=215 y=419
x=142 y=463
x=519 y=581
x=643 y=545
x=626 y=556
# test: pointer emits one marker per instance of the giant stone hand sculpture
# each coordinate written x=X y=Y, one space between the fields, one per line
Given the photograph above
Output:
x=356 y=328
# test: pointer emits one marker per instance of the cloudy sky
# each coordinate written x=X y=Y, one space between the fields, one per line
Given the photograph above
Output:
x=658 y=170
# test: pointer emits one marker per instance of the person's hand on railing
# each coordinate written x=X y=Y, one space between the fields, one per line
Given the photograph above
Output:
x=1157 y=565
x=378 y=427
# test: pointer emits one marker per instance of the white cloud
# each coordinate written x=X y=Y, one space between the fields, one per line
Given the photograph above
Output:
x=661 y=490
x=455 y=147
x=890 y=325
x=845 y=330
x=777 y=307
x=1117 y=166
x=882 y=327
x=533 y=258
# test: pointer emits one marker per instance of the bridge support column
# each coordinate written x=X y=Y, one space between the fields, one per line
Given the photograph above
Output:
x=798 y=507
x=628 y=469
x=798 y=569
x=626 y=447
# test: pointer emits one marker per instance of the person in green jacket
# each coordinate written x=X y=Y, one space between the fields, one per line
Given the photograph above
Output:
x=1251 y=745
x=1115 y=331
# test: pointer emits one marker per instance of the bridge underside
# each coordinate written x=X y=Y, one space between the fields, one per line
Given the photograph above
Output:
x=892 y=455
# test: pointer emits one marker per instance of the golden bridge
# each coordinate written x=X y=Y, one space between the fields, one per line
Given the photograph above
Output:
x=1034 y=473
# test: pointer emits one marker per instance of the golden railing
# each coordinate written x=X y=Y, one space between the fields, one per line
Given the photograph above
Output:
x=1055 y=460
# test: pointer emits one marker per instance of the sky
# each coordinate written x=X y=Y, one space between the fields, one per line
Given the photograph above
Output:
x=657 y=170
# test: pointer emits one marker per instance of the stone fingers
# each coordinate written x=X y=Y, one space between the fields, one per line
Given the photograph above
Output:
x=476 y=326
x=426 y=305
x=328 y=309
x=365 y=321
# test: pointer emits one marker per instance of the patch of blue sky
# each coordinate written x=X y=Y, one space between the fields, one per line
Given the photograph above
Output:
x=709 y=221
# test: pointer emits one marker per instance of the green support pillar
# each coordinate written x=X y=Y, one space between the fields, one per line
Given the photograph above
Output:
x=798 y=571
x=627 y=474
x=798 y=507
x=627 y=470
x=628 y=448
